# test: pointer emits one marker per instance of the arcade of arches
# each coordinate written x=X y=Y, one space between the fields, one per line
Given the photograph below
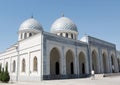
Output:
x=96 y=64
x=81 y=66
x=55 y=62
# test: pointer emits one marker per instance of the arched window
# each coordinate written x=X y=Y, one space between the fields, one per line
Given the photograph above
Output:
x=67 y=35
x=14 y=66
x=35 y=67
x=25 y=35
x=30 y=34
x=60 y=34
x=72 y=36
x=23 y=65
x=7 y=65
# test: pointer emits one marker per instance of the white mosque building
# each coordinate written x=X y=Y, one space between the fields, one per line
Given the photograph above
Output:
x=40 y=55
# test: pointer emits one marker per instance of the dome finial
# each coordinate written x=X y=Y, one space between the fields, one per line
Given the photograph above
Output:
x=62 y=14
x=32 y=15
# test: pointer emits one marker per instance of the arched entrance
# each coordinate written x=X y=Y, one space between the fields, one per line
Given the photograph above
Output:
x=105 y=63
x=69 y=63
x=82 y=63
x=94 y=61
x=57 y=70
x=113 y=63
x=54 y=62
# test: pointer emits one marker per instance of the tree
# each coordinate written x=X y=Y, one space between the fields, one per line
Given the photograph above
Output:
x=5 y=76
x=1 y=74
x=0 y=68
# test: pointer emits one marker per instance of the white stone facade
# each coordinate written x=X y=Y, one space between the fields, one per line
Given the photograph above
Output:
x=40 y=55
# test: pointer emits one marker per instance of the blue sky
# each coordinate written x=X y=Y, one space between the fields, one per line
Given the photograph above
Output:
x=98 y=18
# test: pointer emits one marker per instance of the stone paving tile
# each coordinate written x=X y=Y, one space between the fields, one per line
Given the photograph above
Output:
x=85 y=81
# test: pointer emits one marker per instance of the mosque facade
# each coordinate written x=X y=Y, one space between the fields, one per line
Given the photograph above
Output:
x=40 y=55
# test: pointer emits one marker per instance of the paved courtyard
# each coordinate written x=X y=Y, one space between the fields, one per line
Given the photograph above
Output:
x=85 y=81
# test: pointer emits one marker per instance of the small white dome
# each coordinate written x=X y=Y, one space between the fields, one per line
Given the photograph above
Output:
x=63 y=24
x=30 y=24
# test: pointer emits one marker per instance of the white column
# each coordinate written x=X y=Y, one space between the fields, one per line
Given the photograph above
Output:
x=29 y=71
x=99 y=64
x=27 y=35
x=63 y=61
x=110 y=64
x=69 y=35
x=75 y=61
x=86 y=63
x=47 y=61
x=101 y=60
x=58 y=34
x=64 y=35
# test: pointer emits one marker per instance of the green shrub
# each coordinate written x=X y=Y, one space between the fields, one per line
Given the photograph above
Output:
x=1 y=74
x=0 y=68
x=4 y=75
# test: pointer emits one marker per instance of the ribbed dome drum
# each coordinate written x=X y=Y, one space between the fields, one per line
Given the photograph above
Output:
x=29 y=28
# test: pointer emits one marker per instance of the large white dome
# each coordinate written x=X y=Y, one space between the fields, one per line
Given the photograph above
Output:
x=30 y=24
x=63 y=24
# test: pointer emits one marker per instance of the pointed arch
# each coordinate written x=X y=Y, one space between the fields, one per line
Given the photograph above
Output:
x=54 y=61
x=94 y=61
x=105 y=62
x=82 y=63
x=23 y=65
x=69 y=62
x=35 y=64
